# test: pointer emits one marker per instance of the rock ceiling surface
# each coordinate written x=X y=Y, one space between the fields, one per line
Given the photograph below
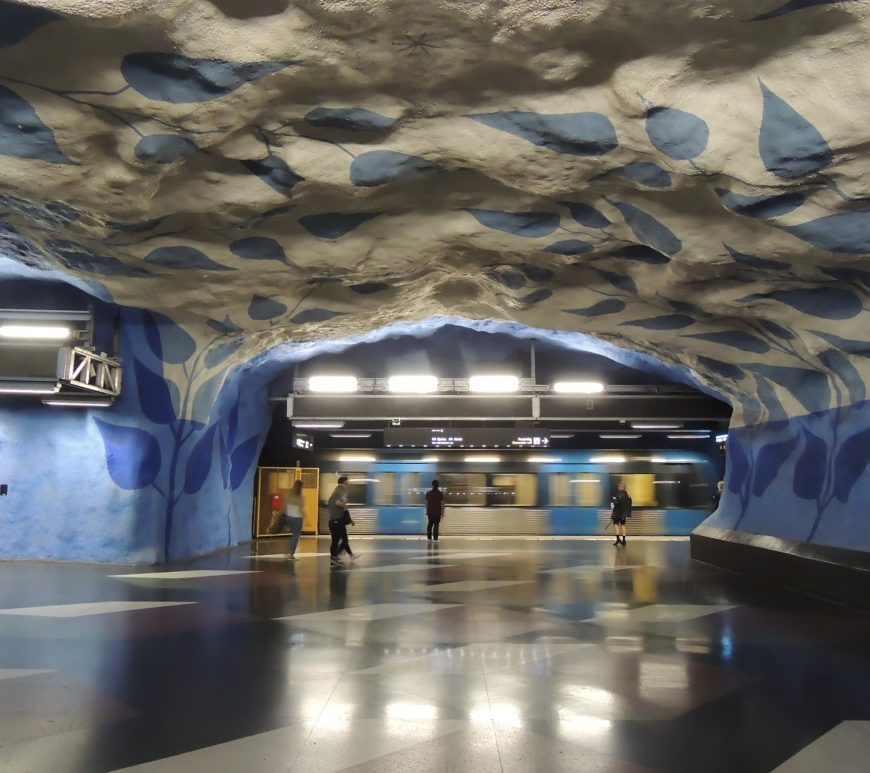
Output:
x=687 y=179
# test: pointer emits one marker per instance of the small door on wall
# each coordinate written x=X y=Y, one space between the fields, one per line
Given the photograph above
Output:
x=271 y=490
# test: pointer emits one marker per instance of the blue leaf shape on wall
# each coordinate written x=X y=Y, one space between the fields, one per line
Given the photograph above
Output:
x=677 y=134
x=578 y=134
x=357 y=119
x=763 y=207
x=689 y=308
x=199 y=462
x=132 y=455
x=569 y=247
x=79 y=258
x=851 y=463
x=164 y=148
x=529 y=225
x=619 y=281
x=769 y=461
x=222 y=351
x=643 y=172
x=794 y=5
x=790 y=146
x=225 y=326
x=154 y=396
x=609 y=306
x=152 y=335
x=738 y=464
x=382 y=166
x=265 y=308
x=334 y=225
x=181 y=79
x=809 y=472
x=736 y=339
x=258 y=248
x=274 y=171
x=586 y=214
x=233 y=422
x=847 y=232
x=19 y=21
x=367 y=288
x=850 y=345
x=184 y=257
x=536 y=297
x=823 y=302
x=640 y=253
x=513 y=280
x=723 y=369
x=855 y=275
x=536 y=273
x=177 y=345
x=849 y=375
x=755 y=262
x=315 y=315
x=767 y=395
x=649 y=230
x=135 y=228
x=810 y=388
x=777 y=330
x=22 y=134
x=241 y=459
x=664 y=322
x=206 y=395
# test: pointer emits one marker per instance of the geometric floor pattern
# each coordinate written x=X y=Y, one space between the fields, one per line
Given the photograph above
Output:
x=462 y=655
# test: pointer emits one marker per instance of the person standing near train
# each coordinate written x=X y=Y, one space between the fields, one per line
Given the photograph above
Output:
x=434 y=511
x=620 y=509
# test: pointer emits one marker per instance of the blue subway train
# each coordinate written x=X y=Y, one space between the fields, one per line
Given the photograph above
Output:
x=558 y=493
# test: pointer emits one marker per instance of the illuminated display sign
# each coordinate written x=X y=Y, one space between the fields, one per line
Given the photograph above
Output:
x=303 y=440
x=475 y=437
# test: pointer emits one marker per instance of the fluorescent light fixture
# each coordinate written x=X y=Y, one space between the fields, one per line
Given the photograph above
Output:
x=578 y=387
x=543 y=459
x=413 y=384
x=79 y=402
x=357 y=458
x=562 y=436
x=483 y=458
x=493 y=383
x=34 y=332
x=665 y=482
x=29 y=388
x=350 y=434
x=585 y=480
x=686 y=436
x=619 y=437
x=430 y=458
x=318 y=424
x=338 y=384
x=648 y=425
x=364 y=480
x=608 y=459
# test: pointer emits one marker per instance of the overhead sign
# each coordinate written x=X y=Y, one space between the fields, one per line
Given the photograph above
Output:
x=474 y=437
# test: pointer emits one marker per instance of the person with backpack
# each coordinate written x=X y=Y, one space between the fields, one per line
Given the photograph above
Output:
x=620 y=510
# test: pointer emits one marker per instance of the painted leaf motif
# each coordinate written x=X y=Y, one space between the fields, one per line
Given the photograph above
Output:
x=79 y=258
x=199 y=462
x=274 y=171
x=643 y=172
x=382 y=166
x=19 y=21
x=536 y=296
x=609 y=306
x=23 y=134
x=762 y=207
x=577 y=134
x=849 y=345
x=233 y=422
x=258 y=248
x=769 y=461
x=357 y=119
x=738 y=464
x=767 y=395
x=132 y=455
x=182 y=79
x=140 y=226
x=847 y=232
x=723 y=369
x=619 y=281
x=315 y=315
x=225 y=326
x=206 y=395
x=755 y=262
x=640 y=253
x=848 y=374
x=513 y=280
x=217 y=353
x=823 y=302
x=790 y=146
x=794 y=5
x=241 y=460
x=334 y=225
x=164 y=148
x=530 y=225
x=677 y=134
x=569 y=247
x=649 y=230
x=536 y=273
x=777 y=330
x=177 y=345
x=152 y=335
x=265 y=308
x=736 y=339
x=809 y=472
x=155 y=398
x=586 y=215
x=367 y=288
x=691 y=309
x=664 y=322
x=851 y=463
x=809 y=387
x=855 y=275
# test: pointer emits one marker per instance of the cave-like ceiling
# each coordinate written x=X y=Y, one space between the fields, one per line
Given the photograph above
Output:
x=683 y=178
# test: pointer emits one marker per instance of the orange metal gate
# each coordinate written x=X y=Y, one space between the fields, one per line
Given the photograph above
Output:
x=277 y=481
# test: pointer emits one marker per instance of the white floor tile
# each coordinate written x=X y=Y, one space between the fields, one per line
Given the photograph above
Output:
x=93 y=608
x=283 y=556
x=189 y=574
x=657 y=613
x=845 y=749
x=465 y=586
x=399 y=568
x=367 y=613
x=438 y=553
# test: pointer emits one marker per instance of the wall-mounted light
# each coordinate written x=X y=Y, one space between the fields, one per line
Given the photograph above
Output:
x=544 y=459
x=350 y=434
x=619 y=437
x=357 y=458
x=687 y=436
x=430 y=459
x=35 y=332
x=578 y=387
x=483 y=458
x=29 y=387
x=494 y=383
x=318 y=424
x=77 y=401
x=608 y=459
x=655 y=425
x=419 y=385
x=333 y=384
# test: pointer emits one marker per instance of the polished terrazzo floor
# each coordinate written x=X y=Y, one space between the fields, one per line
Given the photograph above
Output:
x=465 y=655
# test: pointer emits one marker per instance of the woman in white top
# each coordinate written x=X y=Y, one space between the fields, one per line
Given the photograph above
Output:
x=293 y=511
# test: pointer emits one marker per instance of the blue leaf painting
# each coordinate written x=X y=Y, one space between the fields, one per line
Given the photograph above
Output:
x=823 y=302
x=233 y=422
x=738 y=464
x=849 y=345
x=641 y=253
x=536 y=273
x=847 y=232
x=367 y=288
x=513 y=280
x=809 y=387
x=382 y=166
x=21 y=249
x=769 y=461
x=643 y=172
x=22 y=134
x=315 y=315
x=736 y=339
x=795 y=5
x=184 y=257
x=684 y=307
x=78 y=258
x=152 y=335
x=132 y=455
x=776 y=330
x=620 y=281
x=164 y=148
x=790 y=146
x=225 y=326
x=677 y=134
x=838 y=363
x=177 y=346
x=241 y=459
x=586 y=215
x=809 y=472
x=762 y=207
x=664 y=322
x=258 y=248
x=755 y=262
x=265 y=308
x=334 y=225
x=767 y=394
x=569 y=247
x=855 y=275
x=723 y=369
x=205 y=397
x=536 y=296
x=140 y=226
x=199 y=462
x=577 y=134
x=530 y=225
x=851 y=463
x=356 y=119
x=19 y=21
x=219 y=352
x=600 y=309
x=274 y=171
x=154 y=395
x=182 y=79
x=649 y=230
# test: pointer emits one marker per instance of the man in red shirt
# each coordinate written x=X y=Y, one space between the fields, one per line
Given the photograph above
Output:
x=434 y=511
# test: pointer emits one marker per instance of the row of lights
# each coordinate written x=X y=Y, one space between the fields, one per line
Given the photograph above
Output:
x=427 y=384
x=34 y=332
x=494 y=459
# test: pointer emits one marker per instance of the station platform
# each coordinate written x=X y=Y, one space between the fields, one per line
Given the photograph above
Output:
x=468 y=654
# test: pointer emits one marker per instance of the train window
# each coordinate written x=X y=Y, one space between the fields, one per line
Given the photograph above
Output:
x=356 y=486
x=642 y=488
x=464 y=489
x=398 y=488
x=385 y=492
x=580 y=489
x=519 y=490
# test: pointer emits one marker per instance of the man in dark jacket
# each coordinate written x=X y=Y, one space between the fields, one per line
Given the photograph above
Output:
x=620 y=505
x=434 y=511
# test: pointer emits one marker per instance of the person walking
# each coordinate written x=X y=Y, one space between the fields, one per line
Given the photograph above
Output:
x=434 y=511
x=339 y=518
x=620 y=509
x=717 y=494
x=293 y=514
